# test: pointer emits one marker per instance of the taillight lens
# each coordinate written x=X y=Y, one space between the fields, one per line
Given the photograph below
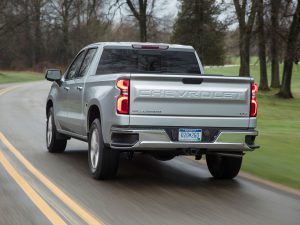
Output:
x=123 y=99
x=253 y=102
x=123 y=85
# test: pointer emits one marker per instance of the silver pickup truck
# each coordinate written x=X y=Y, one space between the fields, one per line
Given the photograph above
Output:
x=154 y=99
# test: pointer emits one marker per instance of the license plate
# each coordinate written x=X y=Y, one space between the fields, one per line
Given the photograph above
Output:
x=187 y=135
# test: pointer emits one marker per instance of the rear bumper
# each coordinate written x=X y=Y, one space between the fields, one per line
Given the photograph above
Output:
x=158 y=139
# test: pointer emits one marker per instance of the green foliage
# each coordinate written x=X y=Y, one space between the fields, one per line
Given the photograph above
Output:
x=197 y=25
x=19 y=76
x=278 y=159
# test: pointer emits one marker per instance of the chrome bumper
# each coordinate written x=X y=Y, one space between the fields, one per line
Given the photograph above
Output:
x=158 y=139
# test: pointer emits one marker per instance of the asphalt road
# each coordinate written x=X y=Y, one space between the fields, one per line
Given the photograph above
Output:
x=146 y=191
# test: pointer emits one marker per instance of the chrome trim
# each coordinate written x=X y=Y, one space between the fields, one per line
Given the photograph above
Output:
x=234 y=136
x=152 y=139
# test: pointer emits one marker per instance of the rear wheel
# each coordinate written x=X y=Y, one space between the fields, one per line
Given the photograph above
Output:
x=54 y=144
x=103 y=162
x=223 y=167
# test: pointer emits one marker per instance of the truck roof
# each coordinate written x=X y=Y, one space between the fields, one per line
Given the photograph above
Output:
x=129 y=44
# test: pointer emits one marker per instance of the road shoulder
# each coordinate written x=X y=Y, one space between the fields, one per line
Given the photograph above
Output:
x=258 y=180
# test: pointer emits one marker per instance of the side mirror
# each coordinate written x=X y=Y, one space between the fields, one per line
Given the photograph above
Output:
x=53 y=75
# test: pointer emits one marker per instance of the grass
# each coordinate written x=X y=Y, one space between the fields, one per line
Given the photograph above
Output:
x=19 y=76
x=235 y=60
x=278 y=159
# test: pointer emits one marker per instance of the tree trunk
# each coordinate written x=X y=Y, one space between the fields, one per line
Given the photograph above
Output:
x=198 y=12
x=143 y=20
x=263 y=85
x=245 y=28
x=65 y=32
x=285 y=90
x=37 y=32
x=27 y=34
x=141 y=16
x=244 y=54
x=275 y=5
x=143 y=29
x=65 y=55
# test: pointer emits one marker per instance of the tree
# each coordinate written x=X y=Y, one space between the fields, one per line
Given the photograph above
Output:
x=67 y=15
x=263 y=85
x=89 y=24
x=197 y=25
x=290 y=54
x=64 y=12
x=246 y=20
x=64 y=26
x=27 y=31
x=3 y=6
x=141 y=16
x=142 y=10
x=38 y=43
x=275 y=8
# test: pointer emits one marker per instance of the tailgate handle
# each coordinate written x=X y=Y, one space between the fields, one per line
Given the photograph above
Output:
x=192 y=80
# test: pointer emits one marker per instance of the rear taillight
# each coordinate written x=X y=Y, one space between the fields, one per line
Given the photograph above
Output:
x=253 y=102
x=123 y=99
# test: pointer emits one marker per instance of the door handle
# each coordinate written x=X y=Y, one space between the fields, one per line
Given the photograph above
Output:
x=79 y=88
x=192 y=80
x=67 y=88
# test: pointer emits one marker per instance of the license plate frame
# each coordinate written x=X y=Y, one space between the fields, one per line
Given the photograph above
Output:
x=190 y=135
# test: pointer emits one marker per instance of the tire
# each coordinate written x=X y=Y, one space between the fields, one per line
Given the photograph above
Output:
x=164 y=156
x=103 y=162
x=223 y=167
x=54 y=144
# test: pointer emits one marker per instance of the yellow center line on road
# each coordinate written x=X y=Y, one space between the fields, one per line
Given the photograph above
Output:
x=50 y=214
x=5 y=90
x=81 y=212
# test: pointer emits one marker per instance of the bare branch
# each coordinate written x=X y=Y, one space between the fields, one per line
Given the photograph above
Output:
x=133 y=9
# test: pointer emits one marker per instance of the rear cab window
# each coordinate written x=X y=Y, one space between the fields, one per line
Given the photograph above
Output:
x=171 y=61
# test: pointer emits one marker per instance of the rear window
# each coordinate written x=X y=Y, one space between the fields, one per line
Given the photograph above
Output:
x=147 y=61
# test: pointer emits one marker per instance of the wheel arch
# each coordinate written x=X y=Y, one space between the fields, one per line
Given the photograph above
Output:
x=48 y=106
x=93 y=113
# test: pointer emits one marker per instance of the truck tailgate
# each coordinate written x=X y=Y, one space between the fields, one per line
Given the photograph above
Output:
x=191 y=99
